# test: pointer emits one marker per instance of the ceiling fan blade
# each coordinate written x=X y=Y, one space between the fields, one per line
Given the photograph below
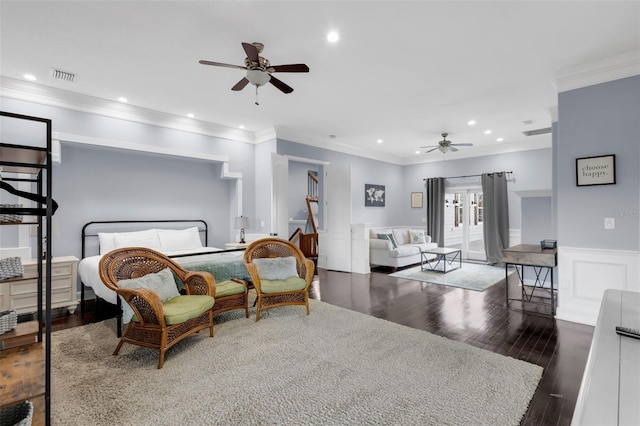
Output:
x=461 y=144
x=220 y=64
x=280 y=85
x=453 y=148
x=429 y=146
x=251 y=51
x=432 y=149
x=289 y=68
x=241 y=84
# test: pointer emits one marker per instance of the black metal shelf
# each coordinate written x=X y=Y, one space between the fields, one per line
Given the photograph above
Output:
x=35 y=161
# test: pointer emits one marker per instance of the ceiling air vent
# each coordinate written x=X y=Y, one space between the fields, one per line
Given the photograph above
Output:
x=537 y=132
x=62 y=75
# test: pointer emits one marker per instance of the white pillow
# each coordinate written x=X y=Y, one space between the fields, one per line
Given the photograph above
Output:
x=276 y=268
x=107 y=242
x=417 y=236
x=161 y=283
x=148 y=239
x=179 y=239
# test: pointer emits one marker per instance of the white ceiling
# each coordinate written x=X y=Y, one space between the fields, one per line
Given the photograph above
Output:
x=403 y=72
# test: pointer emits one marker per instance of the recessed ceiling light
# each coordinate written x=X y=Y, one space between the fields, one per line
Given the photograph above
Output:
x=123 y=99
x=30 y=77
x=487 y=132
x=190 y=115
x=471 y=122
x=499 y=139
x=379 y=141
x=241 y=126
x=333 y=36
x=417 y=152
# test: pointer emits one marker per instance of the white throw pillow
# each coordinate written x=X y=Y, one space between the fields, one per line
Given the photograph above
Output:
x=148 y=239
x=276 y=268
x=161 y=283
x=401 y=235
x=417 y=236
x=107 y=242
x=179 y=239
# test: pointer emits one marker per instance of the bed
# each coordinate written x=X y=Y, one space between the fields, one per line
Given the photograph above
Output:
x=185 y=241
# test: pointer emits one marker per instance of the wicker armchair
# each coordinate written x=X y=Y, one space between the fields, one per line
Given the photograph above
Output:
x=278 y=287
x=152 y=326
x=231 y=294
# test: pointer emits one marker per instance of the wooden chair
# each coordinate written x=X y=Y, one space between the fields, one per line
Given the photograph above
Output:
x=152 y=326
x=280 y=273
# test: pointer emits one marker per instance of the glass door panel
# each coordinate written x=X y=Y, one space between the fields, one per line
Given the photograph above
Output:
x=463 y=223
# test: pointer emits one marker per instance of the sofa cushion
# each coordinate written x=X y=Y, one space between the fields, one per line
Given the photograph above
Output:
x=377 y=244
x=277 y=286
x=388 y=237
x=417 y=236
x=183 y=308
x=402 y=235
x=404 y=250
x=228 y=287
x=425 y=246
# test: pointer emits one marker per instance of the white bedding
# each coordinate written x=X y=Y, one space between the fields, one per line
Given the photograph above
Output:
x=89 y=271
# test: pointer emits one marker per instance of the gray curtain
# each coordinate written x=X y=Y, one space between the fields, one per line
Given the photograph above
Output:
x=435 y=210
x=495 y=216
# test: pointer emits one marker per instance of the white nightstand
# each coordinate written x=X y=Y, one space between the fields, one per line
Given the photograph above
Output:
x=230 y=246
x=21 y=293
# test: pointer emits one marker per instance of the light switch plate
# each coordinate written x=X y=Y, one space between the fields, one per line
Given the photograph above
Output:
x=609 y=223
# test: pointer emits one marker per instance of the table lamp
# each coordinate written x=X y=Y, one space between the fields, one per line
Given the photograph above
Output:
x=242 y=223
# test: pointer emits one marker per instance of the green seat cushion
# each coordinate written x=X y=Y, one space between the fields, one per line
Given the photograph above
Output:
x=183 y=308
x=228 y=287
x=277 y=286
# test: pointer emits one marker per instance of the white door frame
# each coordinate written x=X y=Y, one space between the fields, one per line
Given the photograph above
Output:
x=465 y=192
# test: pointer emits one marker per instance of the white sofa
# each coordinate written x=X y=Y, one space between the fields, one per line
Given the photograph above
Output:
x=382 y=252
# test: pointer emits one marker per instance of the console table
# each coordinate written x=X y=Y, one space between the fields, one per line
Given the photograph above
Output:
x=542 y=261
x=610 y=388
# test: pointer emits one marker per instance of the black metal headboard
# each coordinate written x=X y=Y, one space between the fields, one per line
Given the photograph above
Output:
x=91 y=229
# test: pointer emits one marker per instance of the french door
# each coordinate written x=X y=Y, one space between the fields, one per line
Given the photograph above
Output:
x=463 y=222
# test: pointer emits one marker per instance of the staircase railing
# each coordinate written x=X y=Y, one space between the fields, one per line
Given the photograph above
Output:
x=309 y=242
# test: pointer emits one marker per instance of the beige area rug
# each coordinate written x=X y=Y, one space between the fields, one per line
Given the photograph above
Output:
x=333 y=367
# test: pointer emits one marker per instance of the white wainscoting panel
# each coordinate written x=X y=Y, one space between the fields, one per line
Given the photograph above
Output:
x=360 y=248
x=584 y=276
x=515 y=237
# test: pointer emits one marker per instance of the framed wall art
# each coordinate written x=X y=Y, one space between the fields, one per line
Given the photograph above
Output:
x=416 y=200
x=374 y=195
x=599 y=170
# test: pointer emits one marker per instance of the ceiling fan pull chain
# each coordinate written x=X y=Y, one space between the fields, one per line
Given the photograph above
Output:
x=257 y=96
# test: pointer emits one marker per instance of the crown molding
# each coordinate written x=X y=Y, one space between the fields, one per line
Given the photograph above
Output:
x=613 y=68
x=293 y=136
x=50 y=96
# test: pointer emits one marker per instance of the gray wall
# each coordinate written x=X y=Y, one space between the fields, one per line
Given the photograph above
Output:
x=537 y=222
x=363 y=171
x=93 y=183
x=599 y=120
x=531 y=171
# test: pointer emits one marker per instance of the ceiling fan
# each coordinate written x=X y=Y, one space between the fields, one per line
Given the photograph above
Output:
x=259 y=69
x=444 y=145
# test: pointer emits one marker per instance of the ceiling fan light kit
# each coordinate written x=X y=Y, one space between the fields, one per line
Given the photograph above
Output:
x=259 y=69
x=445 y=146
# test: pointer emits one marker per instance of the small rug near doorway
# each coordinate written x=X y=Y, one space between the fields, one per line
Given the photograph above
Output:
x=472 y=276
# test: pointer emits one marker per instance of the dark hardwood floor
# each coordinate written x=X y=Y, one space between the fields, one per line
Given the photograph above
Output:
x=480 y=319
